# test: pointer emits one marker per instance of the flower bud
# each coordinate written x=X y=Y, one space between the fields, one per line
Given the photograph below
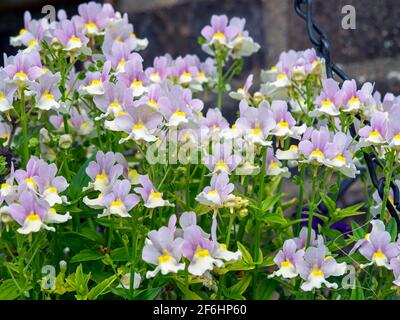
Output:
x=65 y=141
x=63 y=265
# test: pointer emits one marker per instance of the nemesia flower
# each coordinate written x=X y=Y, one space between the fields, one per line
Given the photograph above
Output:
x=198 y=249
x=116 y=98
x=92 y=19
x=378 y=249
x=120 y=54
x=160 y=69
x=151 y=97
x=94 y=81
x=318 y=149
x=255 y=123
x=5 y=132
x=46 y=91
x=140 y=123
x=220 y=250
x=7 y=92
x=223 y=158
x=103 y=172
x=395 y=266
x=119 y=201
x=29 y=213
x=71 y=39
x=274 y=166
x=151 y=197
x=242 y=93
x=377 y=225
x=327 y=102
x=243 y=44
x=376 y=133
x=218 y=192
x=287 y=259
x=23 y=33
x=50 y=185
x=29 y=179
x=285 y=124
x=164 y=251
x=174 y=108
x=316 y=267
x=219 y=31
x=134 y=77
x=23 y=68
x=351 y=99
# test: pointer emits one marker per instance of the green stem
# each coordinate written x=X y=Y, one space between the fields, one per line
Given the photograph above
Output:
x=389 y=166
x=134 y=242
x=300 y=197
x=220 y=81
x=228 y=235
x=24 y=125
x=311 y=205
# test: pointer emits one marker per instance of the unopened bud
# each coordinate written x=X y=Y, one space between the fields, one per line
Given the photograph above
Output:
x=63 y=265
x=65 y=141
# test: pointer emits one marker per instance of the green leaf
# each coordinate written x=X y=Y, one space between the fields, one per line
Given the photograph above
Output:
x=340 y=214
x=357 y=293
x=238 y=265
x=268 y=262
x=269 y=203
x=329 y=203
x=188 y=294
x=119 y=254
x=80 y=180
x=240 y=287
x=274 y=219
x=86 y=255
x=9 y=290
x=357 y=230
x=245 y=254
x=102 y=288
x=81 y=283
x=392 y=229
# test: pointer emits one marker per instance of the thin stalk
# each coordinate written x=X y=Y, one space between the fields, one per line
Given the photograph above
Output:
x=390 y=161
x=300 y=197
x=311 y=206
x=220 y=81
x=24 y=125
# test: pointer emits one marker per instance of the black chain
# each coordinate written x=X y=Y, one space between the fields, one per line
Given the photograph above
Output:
x=320 y=40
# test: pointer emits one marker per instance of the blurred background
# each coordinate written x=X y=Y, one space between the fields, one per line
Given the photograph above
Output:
x=371 y=52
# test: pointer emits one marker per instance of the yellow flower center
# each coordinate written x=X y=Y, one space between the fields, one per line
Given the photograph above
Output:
x=293 y=147
x=96 y=82
x=21 y=74
x=101 y=176
x=90 y=25
x=317 y=153
x=256 y=130
x=5 y=185
x=374 y=133
x=223 y=246
x=48 y=96
x=354 y=100
x=30 y=181
x=212 y=192
x=283 y=123
x=397 y=137
x=326 y=102
x=219 y=35
x=180 y=113
x=139 y=125
x=22 y=31
x=201 y=75
x=155 y=194
x=133 y=35
x=316 y=272
x=274 y=164
x=186 y=74
x=52 y=189
x=201 y=253
x=340 y=158
x=75 y=39
x=165 y=257
x=273 y=69
x=116 y=203
x=378 y=254
x=152 y=103
x=281 y=76
x=33 y=216
x=52 y=210
x=114 y=104
x=32 y=43
x=221 y=165
x=286 y=263
x=137 y=83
